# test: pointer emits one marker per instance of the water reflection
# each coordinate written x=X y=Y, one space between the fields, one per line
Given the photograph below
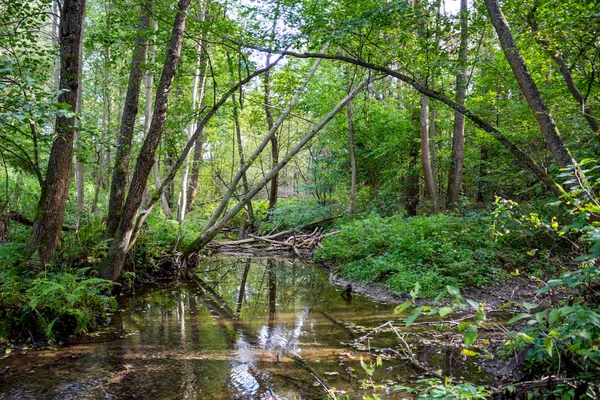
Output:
x=231 y=331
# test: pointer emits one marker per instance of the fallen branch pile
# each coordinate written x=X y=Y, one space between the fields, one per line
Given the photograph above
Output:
x=301 y=244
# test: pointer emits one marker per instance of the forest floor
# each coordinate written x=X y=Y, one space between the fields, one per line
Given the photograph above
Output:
x=518 y=289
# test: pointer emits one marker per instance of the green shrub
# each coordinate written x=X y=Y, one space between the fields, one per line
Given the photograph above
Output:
x=53 y=303
x=435 y=251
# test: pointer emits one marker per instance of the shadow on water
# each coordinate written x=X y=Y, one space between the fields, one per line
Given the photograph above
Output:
x=239 y=328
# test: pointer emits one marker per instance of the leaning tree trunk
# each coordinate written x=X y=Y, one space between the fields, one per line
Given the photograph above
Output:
x=552 y=137
x=519 y=155
x=130 y=112
x=455 y=175
x=212 y=229
x=50 y=213
x=113 y=264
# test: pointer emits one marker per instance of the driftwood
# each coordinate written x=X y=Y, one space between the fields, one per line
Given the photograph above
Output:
x=301 y=244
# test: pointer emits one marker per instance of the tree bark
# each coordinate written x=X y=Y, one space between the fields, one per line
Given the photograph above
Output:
x=552 y=137
x=149 y=83
x=274 y=143
x=238 y=135
x=425 y=158
x=130 y=112
x=50 y=213
x=113 y=264
x=455 y=175
x=78 y=165
x=217 y=213
x=274 y=186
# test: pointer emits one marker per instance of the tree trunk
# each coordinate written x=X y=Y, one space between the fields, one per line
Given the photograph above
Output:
x=211 y=230
x=149 y=83
x=520 y=156
x=113 y=264
x=47 y=227
x=238 y=135
x=455 y=175
x=106 y=112
x=197 y=98
x=187 y=148
x=274 y=143
x=352 y=204
x=425 y=158
x=217 y=213
x=552 y=137
x=274 y=186
x=484 y=154
x=79 y=167
x=130 y=112
x=432 y=149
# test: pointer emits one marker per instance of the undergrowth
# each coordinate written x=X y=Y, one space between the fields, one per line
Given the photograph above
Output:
x=47 y=305
x=435 y=251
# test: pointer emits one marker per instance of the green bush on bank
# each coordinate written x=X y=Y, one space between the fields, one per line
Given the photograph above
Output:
x=43 y=305
x=290 y=214
x=435 y=251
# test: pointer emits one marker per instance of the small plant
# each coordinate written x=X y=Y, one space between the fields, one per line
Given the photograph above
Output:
x=435 y=388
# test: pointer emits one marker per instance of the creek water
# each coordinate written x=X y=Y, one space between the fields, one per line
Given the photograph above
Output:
x=240 y=328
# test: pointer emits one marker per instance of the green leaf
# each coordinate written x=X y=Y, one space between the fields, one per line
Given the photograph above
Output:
x=470 y=335
x=415 y=292
x=454 y=291
x=505 y=305
x=445 y=311
x=473 y=304
x=530 y=306
x=480 y=315
x=519 y=317
x=412 y=317
x=402 y=307
x=548 y=345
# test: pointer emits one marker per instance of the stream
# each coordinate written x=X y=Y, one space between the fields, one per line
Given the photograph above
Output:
x=240 y=328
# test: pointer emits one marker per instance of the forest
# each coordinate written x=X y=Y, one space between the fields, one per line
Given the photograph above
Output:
x=438 y=156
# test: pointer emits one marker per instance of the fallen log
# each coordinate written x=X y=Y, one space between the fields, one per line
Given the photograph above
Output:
x=279 y=234
x=17 y=217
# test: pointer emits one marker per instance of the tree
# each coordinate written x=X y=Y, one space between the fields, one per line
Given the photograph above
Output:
x=455 y=175
x=540 y=110
x=130 y=111
x=47 y=227
x=113 y=264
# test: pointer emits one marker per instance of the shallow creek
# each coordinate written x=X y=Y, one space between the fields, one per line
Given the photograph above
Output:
x=247 y=328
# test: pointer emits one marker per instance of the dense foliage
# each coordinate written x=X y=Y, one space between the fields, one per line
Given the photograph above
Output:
x=455 y=144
